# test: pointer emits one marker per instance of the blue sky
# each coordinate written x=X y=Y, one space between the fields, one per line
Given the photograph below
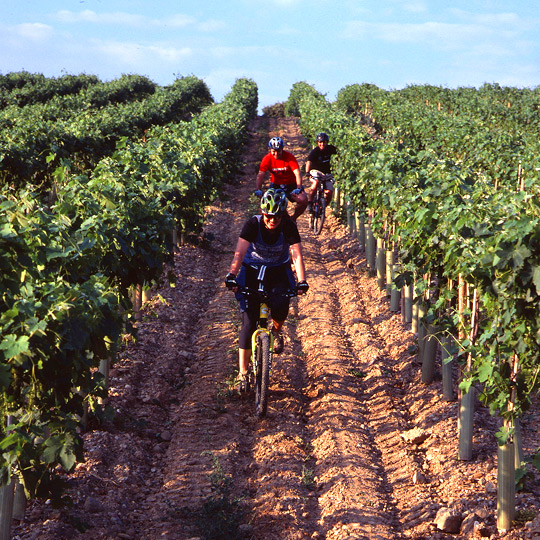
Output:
x=327 y=43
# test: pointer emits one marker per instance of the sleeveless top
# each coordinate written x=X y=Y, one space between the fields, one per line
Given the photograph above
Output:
x=259 y=252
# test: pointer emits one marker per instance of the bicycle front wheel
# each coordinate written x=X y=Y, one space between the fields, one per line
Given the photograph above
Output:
x=262 y=373
x=319 y=216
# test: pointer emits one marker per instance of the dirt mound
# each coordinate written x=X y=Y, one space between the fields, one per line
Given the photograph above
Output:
x=353 y=445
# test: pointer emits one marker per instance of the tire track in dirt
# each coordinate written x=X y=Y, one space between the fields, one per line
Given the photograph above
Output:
x=371 y=360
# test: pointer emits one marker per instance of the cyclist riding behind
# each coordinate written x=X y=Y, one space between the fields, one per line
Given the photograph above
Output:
x=318 y=161
x=284 y=174
x=264 y=250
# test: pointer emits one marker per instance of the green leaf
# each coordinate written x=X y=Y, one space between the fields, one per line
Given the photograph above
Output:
x=13 y=345
x=536 y=278
x=67 y=457
x=485 y=371
x=53 y=446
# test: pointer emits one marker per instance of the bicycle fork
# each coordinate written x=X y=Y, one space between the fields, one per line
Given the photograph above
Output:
x=263 y=328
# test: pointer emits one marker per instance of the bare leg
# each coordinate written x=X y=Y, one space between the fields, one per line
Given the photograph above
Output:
x=301 y=204
x=244 y=356
x=277 y=325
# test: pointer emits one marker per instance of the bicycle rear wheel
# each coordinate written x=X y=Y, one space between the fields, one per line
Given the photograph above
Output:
x=319 y=216
x=262 y=373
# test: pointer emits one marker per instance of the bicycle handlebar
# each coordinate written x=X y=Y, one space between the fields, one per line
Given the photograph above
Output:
x=264 y=295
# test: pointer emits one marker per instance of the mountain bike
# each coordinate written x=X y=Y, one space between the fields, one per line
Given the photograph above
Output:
x=318 y=204
x=262 y=348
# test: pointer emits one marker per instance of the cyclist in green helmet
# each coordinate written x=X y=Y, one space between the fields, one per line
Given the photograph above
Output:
x=267 y=246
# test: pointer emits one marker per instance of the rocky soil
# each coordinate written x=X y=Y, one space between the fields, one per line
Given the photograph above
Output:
x=354 y=446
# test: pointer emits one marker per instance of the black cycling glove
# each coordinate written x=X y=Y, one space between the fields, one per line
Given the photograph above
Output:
x=230 y=281
x=302 y=287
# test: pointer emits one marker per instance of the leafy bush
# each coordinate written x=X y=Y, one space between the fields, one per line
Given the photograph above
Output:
x=277 y=110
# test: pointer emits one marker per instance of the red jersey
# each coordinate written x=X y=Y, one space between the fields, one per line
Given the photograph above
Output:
x=281 y=169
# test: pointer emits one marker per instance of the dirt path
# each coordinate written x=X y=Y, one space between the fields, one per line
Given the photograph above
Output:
x=185 y=457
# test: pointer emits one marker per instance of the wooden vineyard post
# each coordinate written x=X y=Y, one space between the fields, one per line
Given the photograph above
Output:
x=370 y=245
x=430 y=352
x=6 y=509
x=19 y=502
x=506 y=483
x=350 y=218
x=360 y=229
x=506 y=486
x=466 y=413
x=430 y=345
x=466 y=410
x=414 y=321
x=6 y=502
x=408 y=302
x=421 y=312
x=389 y=269
x=395 y=293
x=137 y=301
x=518 y=444
x=342 y=203
x=337 y=199
x=447 y=362
x=146 y=293
x=381 y=264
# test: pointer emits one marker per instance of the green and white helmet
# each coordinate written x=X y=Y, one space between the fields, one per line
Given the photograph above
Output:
x=274 y=202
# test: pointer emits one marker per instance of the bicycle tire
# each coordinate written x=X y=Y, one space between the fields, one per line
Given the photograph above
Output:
x=319 y=217
x=262 y=373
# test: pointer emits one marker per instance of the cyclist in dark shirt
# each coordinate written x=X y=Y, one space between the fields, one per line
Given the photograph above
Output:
x=264 y=250
x=319 y=160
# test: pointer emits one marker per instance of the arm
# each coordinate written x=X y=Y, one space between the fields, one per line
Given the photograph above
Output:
x=298 y=261
x=239 y=253
x=298 y=177
x=259 y=180
x=308 y=167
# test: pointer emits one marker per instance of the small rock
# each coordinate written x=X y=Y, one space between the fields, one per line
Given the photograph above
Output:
x=165 y=435
x=491 y=487
x=483 y=513
x=482 y=531
x=92 y=505
x=468 y=524
x=448 y=520
x=418 y=478
x=415 y=436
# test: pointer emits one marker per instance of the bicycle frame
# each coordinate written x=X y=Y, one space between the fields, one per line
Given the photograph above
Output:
x=262 y=327
x=318 y=204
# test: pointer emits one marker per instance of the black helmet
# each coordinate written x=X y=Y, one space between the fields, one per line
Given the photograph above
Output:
x=322 y=137
x=276 y=143
x=274 y=202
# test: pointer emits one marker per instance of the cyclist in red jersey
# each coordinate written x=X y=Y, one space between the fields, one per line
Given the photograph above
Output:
x=284 y=174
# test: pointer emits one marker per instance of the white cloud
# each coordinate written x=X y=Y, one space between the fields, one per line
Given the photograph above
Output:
x=122 y=18
x=33 y=31
x=134 y=54
x=489 y=19
x=416 y=7
x=435 y=34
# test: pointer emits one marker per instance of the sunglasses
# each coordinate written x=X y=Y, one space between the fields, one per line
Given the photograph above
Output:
x=273 y=217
